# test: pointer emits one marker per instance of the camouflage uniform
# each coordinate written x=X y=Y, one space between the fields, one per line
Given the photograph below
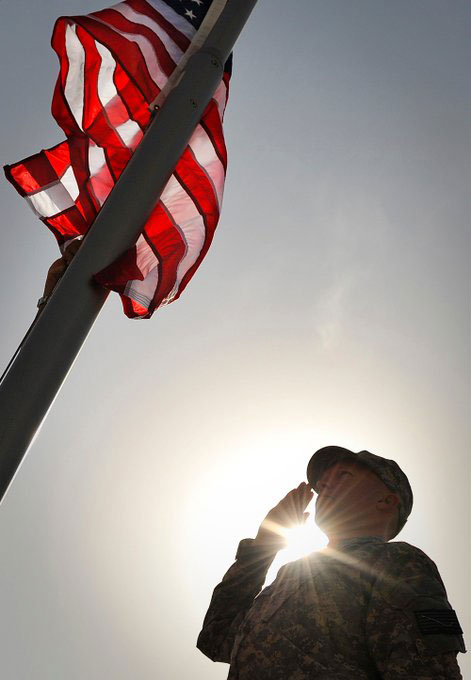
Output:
x=371 y=610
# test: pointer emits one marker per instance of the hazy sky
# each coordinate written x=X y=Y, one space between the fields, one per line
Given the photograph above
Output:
x=333 y=307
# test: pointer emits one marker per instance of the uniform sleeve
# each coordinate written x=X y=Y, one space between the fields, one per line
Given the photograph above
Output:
x=412 y=630
x=232 y=599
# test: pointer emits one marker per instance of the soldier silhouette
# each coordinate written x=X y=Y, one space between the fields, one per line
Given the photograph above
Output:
x=363 y=608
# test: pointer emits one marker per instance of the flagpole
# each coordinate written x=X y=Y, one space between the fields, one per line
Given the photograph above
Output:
x=50 y=349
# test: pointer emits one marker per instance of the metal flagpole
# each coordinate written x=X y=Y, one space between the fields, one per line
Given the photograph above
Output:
x=35 y=377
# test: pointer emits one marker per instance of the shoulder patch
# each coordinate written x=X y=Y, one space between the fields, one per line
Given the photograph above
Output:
x=442 y=621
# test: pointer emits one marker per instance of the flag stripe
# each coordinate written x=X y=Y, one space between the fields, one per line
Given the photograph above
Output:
x=101 y=180
x=74 y=84
x=188 y=220
x=220 y=96
x=60 y=106
x=162 y=234
x=51 y=201
x=105 y=85
x=70 y=183
x=116 y=112
x=208 y=160
x=212 y=125
x=132 y=98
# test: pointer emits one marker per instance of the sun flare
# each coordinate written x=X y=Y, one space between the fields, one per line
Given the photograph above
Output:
x=301 y=540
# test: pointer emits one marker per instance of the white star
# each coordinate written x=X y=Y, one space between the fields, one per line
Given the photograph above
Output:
x=198 y=2
x=189 y=13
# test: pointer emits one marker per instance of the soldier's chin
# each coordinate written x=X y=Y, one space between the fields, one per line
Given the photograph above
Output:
x=327 y=520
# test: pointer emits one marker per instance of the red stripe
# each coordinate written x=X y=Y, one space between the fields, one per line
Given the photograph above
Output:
x=195 y=181
x=178 y=38
x=92 y=107
x=68 y=224
x=16 y=174
x=213 y=127
x=59 y=158
x=78 y=147
x=31 y=174
x=135 y=103
x=226 y=79
x=167 y=243
x=117 y=159
x=121 y=23
x=133 y=309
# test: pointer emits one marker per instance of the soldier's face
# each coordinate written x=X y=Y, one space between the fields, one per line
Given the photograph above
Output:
x=348 y=496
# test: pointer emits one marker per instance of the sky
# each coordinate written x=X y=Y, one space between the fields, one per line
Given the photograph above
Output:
x=332 y=308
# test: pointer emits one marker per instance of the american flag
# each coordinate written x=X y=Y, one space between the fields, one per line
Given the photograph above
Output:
x=116 y=65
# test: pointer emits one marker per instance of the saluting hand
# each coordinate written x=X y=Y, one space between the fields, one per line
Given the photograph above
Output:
x=287 y=513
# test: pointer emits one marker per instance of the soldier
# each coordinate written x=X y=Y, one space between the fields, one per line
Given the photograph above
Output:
x=363 y=608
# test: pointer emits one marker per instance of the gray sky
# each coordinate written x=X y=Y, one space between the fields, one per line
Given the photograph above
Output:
x=333 y=307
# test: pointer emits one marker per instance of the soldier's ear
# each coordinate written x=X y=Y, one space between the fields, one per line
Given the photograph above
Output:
x=388 y=503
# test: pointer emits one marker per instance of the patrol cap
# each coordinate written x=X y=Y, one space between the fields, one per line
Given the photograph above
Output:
x=387 y=470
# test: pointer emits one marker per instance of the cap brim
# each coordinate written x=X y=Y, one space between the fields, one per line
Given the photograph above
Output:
x=325 y=458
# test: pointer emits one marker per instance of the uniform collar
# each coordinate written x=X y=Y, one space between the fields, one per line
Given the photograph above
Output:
x=348 y=543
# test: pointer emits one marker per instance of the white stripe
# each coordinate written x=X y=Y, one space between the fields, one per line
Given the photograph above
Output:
x=143 y=290
x=207 y=158
x=172 y=17
x=145 y=256
x=194 y=235
x=74 y=85
x=189 y=222
x=107 y=92
x=147 y=51
x=70 y=183
x=106 y=86
x=136 y=17
x=50 y=201
x=101 y=181
x=130 y=133
x=96 y=158
x=220 y=97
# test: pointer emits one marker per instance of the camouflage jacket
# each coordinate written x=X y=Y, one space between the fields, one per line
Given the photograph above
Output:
x=371 y=610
